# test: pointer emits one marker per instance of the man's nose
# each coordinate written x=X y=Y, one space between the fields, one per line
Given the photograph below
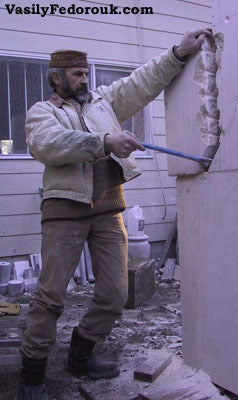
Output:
x=84 y=78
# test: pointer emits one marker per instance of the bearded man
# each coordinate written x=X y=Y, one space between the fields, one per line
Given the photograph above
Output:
x=77 y=135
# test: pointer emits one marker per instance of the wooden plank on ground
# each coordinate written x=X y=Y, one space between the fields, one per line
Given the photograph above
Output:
x=167 y=392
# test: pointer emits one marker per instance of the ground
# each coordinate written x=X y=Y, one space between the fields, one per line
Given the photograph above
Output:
x=140 y=332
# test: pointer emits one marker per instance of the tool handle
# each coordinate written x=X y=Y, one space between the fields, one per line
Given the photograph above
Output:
x=177 y=153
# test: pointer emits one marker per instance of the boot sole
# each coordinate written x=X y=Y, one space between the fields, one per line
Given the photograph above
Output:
x=113 y=373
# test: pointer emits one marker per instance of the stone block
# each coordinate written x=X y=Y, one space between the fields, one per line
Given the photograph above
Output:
x=15 y=287
x=19 y=269
x=30 y=284
x=152 y=368
x=168 y=270
x=141 y=275
x=5 y=272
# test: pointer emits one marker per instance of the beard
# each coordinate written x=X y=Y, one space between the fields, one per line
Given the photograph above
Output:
x=80 y=95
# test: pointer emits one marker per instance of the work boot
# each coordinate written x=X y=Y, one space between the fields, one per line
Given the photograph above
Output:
x=32 y=380
x=82 y=361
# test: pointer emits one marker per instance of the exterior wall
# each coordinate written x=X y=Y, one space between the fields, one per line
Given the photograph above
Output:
x=107 y=39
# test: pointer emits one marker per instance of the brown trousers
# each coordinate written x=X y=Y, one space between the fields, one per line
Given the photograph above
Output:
x=62 y=244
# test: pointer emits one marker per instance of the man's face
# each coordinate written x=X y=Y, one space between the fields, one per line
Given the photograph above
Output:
x=75 y=83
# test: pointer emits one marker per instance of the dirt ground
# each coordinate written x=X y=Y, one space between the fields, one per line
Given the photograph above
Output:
x=153 y=326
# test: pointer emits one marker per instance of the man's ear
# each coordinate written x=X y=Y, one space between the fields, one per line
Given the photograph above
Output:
x=57 y=79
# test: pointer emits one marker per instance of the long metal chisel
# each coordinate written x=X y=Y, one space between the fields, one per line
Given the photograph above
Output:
x=176 y=153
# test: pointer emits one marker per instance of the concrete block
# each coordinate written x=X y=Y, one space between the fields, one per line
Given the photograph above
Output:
x=168 y=270
x=141 y=275
x=207 y=225
x=15 y=287
x=30 y=284
x=19 y=269
x=152 y=368
x=5 y=272
x=3 y=288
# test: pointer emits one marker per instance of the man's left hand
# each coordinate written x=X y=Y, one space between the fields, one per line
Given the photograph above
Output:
x=191 y=42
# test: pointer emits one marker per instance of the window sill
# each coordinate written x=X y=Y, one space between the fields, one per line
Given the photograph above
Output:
x=16 y=157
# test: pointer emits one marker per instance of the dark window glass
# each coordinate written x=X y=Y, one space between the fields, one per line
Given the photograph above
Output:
x=47 y=90
x=17 y=107
x=33 y=83
x=134 y=124
x=4 y=120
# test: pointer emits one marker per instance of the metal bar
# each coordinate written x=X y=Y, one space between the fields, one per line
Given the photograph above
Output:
x=176 y=153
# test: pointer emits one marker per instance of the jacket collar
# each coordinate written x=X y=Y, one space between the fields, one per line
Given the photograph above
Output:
x=58 y=101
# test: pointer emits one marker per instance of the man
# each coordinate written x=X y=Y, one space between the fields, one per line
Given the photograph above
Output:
x=77 y=135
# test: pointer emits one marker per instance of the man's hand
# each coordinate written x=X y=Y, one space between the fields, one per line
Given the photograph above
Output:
x=122 y=144
x=191 y=42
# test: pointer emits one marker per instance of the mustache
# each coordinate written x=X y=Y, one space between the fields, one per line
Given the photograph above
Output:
x=83 y=88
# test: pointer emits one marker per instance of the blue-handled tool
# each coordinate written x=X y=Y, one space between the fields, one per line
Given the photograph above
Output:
x=199 y=159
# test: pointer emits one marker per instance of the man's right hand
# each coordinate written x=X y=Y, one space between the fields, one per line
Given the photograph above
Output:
x=122 y=144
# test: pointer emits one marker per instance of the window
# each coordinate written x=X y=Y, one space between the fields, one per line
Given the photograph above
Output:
x=24 y=82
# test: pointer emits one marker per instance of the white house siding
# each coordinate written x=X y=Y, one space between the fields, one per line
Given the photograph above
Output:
x=112 y=39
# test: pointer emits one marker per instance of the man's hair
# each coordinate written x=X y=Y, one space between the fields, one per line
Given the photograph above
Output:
x=60 y=71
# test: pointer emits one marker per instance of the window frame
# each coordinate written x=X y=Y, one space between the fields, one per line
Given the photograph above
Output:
x=93 y=66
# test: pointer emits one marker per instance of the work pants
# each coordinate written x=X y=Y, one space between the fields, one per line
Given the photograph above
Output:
x=62 y=244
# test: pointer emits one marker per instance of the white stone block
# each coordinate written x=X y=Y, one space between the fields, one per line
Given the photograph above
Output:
x=15 y=287
x=20 y=267
x=5 y=272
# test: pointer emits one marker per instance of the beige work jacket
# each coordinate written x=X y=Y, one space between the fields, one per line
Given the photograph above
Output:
x=56 y=138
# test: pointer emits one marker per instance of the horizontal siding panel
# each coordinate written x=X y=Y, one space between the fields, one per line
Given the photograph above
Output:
x=20 y=225
x=20 y=183
x=206 y=3
x=151 y=179
x=19 y=245
x=146 y=164
x=20 y=166
x=148 y=179
x=171 y=7
x=69 y=27
x=20 y=204
x=42 y=45
x=150 y=197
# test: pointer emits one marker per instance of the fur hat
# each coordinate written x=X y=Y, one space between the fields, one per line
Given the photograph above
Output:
x=68 y=59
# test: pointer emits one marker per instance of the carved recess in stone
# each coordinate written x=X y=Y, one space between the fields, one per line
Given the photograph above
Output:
x=191 y=111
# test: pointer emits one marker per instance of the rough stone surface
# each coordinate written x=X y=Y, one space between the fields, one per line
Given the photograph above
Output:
x=141 y=275
x=191 y=110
